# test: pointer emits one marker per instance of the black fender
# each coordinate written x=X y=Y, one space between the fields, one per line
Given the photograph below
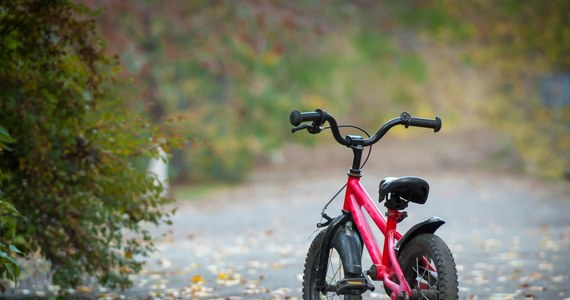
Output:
x=347 y=242
x=428 y=226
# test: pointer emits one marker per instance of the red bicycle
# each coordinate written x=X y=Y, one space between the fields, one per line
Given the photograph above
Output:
x=416 y=265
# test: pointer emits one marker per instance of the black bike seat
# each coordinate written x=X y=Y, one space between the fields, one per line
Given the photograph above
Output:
x=413 y=189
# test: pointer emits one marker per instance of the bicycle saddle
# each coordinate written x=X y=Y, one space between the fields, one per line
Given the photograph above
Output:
x=413 y=189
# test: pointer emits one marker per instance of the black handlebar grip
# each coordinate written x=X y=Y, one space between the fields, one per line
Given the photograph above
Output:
x=296 y=117
x=426 y=123
x=420 y=122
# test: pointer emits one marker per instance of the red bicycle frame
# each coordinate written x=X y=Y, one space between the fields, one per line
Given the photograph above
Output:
x=356 y=199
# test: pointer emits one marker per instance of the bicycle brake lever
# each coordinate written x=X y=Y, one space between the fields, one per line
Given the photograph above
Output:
x=301 y=127
x=327 y=223
x=313 y=129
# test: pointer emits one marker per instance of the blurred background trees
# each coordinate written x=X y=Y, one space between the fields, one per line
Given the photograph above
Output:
x=523 y=48
x=526 y=47
x=233 y=71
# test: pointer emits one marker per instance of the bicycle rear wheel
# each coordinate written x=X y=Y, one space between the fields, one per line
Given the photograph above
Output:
x=429 y=268
x=335 y=272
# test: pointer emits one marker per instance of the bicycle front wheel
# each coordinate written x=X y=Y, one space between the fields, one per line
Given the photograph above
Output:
x=335 y=272
x=429 y=268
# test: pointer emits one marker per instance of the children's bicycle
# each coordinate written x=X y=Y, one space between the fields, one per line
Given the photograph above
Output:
x=416 y=265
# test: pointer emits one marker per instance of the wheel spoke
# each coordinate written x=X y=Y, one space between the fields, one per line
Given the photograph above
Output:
x=429 y=268
x=334 y=273
x=425 y=277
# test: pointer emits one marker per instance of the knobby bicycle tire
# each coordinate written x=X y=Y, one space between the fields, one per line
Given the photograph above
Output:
x=335 y=272
x=442 y=282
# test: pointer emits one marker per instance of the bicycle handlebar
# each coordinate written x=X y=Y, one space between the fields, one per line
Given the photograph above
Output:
x=319 y=117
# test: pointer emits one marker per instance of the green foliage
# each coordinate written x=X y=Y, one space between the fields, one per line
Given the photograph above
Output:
x=5 y=139
x=70 y=171
x=430 y=16
x=9 y=267
x=234 y=71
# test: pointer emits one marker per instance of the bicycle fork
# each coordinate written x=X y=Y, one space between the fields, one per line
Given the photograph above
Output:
x=341 y=235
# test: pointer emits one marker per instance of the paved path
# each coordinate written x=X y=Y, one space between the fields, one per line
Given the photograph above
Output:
x=510 y=234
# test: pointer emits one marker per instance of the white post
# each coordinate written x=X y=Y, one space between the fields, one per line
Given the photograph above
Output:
x=159 y=167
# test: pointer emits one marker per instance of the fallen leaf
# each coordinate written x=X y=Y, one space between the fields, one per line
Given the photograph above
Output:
x=531 y=277
x=165 y=262
x=226 y=279
x=41 y=294
x=537 y=288
x=197 y=279
x=84 y=289
x=546 y=266
x=173 y=293
x=281 y=291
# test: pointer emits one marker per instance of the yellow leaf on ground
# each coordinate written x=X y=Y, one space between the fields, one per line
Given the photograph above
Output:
x=197 y=279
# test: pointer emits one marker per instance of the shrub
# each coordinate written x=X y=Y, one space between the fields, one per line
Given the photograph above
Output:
x=9 y=267
x=71 y=172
